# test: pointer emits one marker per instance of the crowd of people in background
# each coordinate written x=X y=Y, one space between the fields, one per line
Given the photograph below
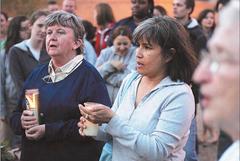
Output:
x=138 y=73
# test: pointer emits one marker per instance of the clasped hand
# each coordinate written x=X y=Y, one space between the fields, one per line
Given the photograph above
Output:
x=118 y=65
x=94 y=112
x=33 y=130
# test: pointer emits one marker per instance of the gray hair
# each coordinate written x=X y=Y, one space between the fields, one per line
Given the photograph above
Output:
x=229 y=19
x=69 y=20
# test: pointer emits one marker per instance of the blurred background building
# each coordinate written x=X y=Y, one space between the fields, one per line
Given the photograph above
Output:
x=121 y=8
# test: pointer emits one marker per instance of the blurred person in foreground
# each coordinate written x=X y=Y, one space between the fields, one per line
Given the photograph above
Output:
x=224 y=139
x=220 y=4
x=68 y=80
x=152 y=114
x=219 y=76
x=18 y=31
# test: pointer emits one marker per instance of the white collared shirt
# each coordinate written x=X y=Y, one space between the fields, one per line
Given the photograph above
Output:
x=35 y=53
x=62 y=72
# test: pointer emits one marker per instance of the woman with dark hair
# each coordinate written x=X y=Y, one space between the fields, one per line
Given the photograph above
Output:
x=115 y=62
x=105 y=20
x=152 y=114
x=28 y=54
x=206 y=20
x=17 y=31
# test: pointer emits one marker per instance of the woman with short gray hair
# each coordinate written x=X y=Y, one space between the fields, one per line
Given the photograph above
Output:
x=65 y=19
x=67 y=81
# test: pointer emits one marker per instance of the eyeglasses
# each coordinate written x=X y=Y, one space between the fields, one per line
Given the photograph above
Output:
x=215 y=61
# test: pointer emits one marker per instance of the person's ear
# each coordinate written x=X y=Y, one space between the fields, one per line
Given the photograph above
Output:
x=170 y=54
x=30 y=27
x=77 y=44
x=189 y=10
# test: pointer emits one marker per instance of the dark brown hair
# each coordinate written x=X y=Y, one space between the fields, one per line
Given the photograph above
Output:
x=161 y=9
x=122 y=30
x=4 y=15
x=52 y=2
x=190 y=4
x=13 y=32
x=172 y=37
x=203 y=15
x=38 y=14
x=104 y=14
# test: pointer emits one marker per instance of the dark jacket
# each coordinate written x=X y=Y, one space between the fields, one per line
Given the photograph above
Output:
x=8 y=95
x=199 y=42
x=197 y=37
x=60 y=114
x=22 y=63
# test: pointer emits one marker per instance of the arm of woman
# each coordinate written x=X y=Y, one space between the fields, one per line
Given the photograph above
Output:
x=16 y=69
x=102 y=134
x=2 y=85
x=15 y=120
x=173 y=125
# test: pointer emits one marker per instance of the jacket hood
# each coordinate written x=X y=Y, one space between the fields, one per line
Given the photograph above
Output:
x=22 y=45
